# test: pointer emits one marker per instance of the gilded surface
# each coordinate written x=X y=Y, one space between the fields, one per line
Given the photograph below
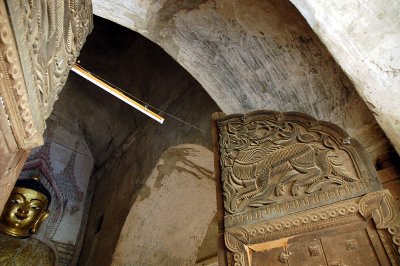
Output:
x=22 y=252
x=24 y=212
x=268 y=158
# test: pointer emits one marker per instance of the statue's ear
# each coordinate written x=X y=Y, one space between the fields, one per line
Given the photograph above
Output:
x=39 y=222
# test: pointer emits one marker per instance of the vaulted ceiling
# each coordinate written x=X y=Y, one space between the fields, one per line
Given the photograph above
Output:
x=263 y=55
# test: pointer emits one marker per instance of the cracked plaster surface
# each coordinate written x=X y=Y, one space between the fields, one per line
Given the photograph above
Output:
x=262 y=55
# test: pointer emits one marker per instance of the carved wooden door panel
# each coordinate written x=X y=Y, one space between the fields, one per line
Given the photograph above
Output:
x=352 y=248
x=344 y=247
x=283 y=176
x=269 y=258
x=306 y=253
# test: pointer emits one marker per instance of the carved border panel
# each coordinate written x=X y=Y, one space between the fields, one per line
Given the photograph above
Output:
x=14 y=95
x=307 y=221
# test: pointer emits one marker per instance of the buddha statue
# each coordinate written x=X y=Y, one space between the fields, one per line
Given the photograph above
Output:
x=23 y=213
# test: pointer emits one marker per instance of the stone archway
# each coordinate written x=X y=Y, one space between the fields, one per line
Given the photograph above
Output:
x=362 y=36
x=245 y=64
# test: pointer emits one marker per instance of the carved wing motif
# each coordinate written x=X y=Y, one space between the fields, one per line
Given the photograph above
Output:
x=266 y=159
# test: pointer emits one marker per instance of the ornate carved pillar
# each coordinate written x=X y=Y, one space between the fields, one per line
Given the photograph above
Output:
x=39 y=42
x=297 y=191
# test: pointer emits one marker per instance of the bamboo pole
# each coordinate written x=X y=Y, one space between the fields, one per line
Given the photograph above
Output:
x=87 y=75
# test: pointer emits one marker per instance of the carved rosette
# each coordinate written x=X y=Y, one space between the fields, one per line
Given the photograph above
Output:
x=40 y=41
x=267 y=158
x=315 y=219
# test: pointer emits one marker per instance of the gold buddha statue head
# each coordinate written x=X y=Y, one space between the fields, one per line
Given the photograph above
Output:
x=26 y=208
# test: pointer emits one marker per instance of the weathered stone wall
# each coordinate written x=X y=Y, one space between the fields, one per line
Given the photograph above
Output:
x=169 y=219
x=247 y=55
x=364 y=38
x=151 y=75
x=251 y=55
x=122 y=177
x=243 y=62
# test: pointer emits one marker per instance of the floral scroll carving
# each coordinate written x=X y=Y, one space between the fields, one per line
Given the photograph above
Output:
x=13 y=92
x=268 y=157
x=382 y=208
x=287 y=175
x=39 y=42
x=240 y=252
x=48 y=36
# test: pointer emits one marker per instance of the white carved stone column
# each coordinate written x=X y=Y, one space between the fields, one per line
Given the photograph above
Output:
x=39 y=42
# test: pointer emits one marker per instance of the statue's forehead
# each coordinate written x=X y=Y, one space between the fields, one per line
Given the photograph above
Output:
x=29 y=194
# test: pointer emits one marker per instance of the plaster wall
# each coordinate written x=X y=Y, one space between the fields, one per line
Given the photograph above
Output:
x=251 y=55
x=151 y=75
x=65 y=164
x=247 y=55
x=72 y=165
x=169 y=219
x=364 y=38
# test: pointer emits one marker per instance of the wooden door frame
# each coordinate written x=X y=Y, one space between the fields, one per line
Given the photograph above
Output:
x=265 y=228
x=379 y=206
